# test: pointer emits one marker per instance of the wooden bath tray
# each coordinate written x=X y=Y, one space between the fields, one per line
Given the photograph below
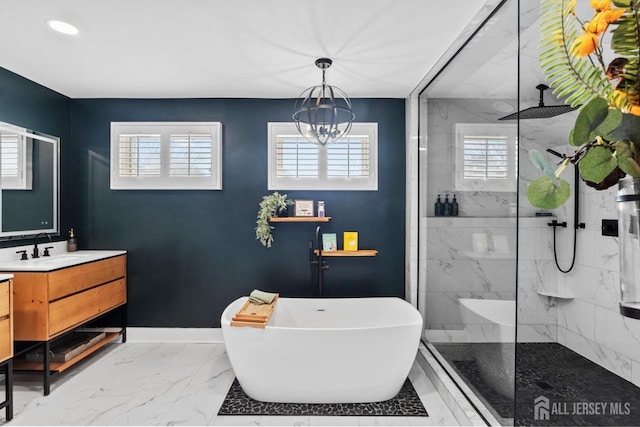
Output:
x=254 y=315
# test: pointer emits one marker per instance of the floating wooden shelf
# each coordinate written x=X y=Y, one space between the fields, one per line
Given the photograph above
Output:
x=361 y=252
x=300 y=219
x=21 y=364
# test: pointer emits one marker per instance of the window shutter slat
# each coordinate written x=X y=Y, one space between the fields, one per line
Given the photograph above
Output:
x=296 y=158
x=485 y=157
x=191 y=155
x=9 y=155
x=348 y=158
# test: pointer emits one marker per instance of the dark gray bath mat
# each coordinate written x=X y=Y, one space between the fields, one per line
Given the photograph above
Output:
x=405 y=404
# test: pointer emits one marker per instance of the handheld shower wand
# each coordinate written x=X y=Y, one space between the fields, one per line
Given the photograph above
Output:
x=576 y=216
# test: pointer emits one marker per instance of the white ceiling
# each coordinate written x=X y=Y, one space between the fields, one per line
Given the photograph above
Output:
x=229 y=48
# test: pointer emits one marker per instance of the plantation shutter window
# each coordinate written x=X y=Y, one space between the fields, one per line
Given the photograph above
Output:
x=140 y=155
x=349 y=157
x=191 y=155
x=295 y=157
x=16 y=151
x=486 y=157
x=350 y=163
x=166 y=155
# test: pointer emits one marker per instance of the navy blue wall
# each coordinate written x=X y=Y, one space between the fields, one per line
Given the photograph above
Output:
x=30 y=105
x=193 y=252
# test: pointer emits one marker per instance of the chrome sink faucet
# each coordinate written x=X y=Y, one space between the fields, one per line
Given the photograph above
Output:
x=35 y=253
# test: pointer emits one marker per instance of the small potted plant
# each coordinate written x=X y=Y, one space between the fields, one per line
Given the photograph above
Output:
x=270 y=206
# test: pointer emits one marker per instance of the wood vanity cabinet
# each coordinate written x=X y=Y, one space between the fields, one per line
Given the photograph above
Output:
x=47 y=304
x=6 y=345
x=50 y=304
x=6 y=321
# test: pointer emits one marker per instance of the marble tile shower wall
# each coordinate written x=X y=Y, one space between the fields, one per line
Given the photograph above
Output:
x=475 y=258
x=456 y=264
x=442 y=115
x=591 y=323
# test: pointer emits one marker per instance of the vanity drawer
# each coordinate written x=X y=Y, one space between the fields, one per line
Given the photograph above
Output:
x=6 y=339
x=4 y=299
x=68 y=312
x=71 y=280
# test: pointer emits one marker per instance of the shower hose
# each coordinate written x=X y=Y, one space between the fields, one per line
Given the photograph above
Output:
x=555 y=224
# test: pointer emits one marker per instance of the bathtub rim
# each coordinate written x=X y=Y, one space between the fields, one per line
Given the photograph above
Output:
x=470 y=307
x=227 y=314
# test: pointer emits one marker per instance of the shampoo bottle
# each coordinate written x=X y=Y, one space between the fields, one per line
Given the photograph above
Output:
x=454 y=206
x=439 y=207
x=447 y=206
x=72 y=245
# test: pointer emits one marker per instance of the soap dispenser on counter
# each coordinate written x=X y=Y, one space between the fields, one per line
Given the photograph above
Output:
x=72 y=245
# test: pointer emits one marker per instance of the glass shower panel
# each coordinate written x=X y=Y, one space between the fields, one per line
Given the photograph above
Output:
x=576 y=355
x=467 y=263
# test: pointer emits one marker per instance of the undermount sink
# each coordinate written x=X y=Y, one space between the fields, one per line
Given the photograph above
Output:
x=53 y=259
x=57 y=258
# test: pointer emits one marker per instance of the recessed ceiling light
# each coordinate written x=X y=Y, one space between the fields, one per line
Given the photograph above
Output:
x=62 y=27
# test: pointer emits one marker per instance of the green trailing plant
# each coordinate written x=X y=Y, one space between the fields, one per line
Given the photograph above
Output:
x=606 y=134
x=270 y=206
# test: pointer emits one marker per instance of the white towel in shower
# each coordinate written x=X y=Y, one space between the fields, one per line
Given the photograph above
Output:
x=260 y=297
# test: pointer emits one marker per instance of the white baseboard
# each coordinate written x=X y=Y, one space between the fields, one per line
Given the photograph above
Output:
x=191 y=335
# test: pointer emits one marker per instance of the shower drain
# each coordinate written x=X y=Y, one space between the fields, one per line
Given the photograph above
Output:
x=544 y=385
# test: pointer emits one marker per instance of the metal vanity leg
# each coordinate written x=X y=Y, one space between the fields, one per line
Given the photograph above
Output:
x=8 y=386
x=46 y=368
x=124 y=323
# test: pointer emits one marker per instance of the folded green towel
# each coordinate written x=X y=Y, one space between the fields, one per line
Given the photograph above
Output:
x=261 y=297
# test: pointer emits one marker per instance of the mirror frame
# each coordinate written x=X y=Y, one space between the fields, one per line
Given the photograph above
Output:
x=54 y=230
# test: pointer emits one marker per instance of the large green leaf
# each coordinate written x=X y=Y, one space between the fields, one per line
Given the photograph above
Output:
x=542 y=193
x=591 y=116
x=629 y=128
x=543 y=164
x=608 y=125
x=597 y=164
x=627 y=156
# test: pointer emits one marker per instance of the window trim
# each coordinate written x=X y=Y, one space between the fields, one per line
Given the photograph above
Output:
x=507 y=185
x=165 y=181
x=322 y=183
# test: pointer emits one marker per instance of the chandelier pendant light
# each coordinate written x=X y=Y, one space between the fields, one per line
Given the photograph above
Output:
x=323 y=113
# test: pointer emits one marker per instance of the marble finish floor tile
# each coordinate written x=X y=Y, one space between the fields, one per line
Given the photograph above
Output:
x=170 y=384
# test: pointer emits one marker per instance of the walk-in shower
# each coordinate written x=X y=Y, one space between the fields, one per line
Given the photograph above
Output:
x=526 y=342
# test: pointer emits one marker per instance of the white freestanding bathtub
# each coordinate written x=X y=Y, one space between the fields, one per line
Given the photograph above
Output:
x=489 y=320
x=492 y=322
x=325 y=350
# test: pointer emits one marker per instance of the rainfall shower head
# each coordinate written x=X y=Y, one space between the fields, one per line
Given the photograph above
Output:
x=541 y=111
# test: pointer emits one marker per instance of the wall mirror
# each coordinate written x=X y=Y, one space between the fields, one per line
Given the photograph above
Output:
x=29 y=163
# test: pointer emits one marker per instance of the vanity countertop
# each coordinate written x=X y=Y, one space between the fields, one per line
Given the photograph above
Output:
x=56 y=261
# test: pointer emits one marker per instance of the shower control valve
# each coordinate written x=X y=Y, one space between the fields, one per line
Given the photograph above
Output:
x=555 y=223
